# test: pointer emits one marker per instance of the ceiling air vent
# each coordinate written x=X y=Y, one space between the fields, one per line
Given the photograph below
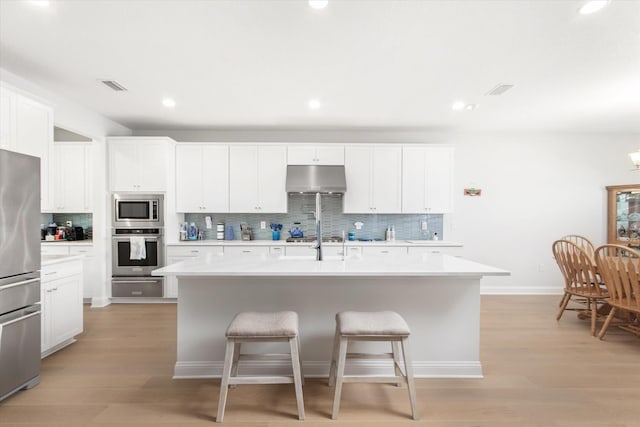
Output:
x=114 y=85
x=500 y=89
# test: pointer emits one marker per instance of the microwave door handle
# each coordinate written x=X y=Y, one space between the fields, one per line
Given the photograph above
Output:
x=126 y=239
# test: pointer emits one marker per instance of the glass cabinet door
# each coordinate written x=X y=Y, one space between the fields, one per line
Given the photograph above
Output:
x=624 y=215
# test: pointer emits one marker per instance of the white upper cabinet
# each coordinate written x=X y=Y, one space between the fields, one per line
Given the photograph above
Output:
x=26 y=126
x=373 y=175
x=315 y=154
x=427 y=179
x=138 y=163
x=257 y=178
x=72 y=181
x=202 y=177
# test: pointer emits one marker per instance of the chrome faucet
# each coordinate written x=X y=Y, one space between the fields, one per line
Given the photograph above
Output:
x=318 y=227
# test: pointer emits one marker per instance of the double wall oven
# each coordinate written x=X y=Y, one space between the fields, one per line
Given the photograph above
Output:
x=137 y=245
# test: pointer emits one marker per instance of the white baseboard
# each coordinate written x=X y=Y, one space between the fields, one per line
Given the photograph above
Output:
x=313 y=369
x=98 y=302
x=142 y=300
x=541 y=290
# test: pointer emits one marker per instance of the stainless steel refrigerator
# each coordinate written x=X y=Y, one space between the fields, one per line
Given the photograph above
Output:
x=19 y=272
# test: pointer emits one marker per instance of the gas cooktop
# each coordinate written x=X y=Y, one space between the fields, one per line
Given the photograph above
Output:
x=330 y=239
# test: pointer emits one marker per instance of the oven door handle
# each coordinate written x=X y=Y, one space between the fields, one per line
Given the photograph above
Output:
x=135 y=281
x=152 y=238
x=24 y=282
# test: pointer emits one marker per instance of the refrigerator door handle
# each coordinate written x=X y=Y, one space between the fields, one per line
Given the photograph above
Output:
x=13 y=285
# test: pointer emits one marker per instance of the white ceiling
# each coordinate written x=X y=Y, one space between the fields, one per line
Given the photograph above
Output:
x=373 y=64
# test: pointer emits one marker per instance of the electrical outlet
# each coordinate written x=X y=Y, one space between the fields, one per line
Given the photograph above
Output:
x=541 y=268
x=423 y=225
x=263 y=225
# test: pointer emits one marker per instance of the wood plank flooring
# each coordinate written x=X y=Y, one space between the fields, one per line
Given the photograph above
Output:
x=538 y=372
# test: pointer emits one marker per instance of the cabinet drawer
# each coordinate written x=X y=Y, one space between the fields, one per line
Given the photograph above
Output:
x=81 y=250
x=301 y=250
x=384 y=251
x=246 y=250
x=54 y=249
x=449 y=250
x=276 y=250
x=58 y=271
x=137 y=288
x=193 y=251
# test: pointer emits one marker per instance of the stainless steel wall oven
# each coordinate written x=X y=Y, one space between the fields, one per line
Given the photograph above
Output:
x=137 y=245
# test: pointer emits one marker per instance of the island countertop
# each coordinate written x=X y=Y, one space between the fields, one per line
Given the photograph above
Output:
x=431 y=264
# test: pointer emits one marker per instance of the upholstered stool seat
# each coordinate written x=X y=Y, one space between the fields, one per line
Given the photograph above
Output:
x=371 y=326
x=261 y=327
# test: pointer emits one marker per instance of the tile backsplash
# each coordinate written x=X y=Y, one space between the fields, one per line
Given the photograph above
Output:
x=84 y=220
x=302 y=209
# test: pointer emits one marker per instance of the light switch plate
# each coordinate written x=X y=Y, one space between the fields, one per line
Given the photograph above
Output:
x=263 y=225
x=423 y=225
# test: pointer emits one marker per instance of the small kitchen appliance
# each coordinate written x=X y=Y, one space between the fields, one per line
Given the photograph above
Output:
x=245 y=232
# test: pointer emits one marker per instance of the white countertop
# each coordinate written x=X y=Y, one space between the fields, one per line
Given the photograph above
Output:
x=55 y=259
x=273 y=265
x=402 y=243
x=67 y=242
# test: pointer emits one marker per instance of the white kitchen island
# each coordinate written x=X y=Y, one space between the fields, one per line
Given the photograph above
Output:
x=437 y=294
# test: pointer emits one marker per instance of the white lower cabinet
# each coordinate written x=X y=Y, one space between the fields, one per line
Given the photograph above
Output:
x=180 y=253
x=92 y=274
x=61 y=299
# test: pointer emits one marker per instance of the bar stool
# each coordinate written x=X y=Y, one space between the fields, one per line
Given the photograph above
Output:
x=371 y=326
x=261 y=327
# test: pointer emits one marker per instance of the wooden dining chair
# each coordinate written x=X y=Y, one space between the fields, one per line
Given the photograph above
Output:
x=584 y=243
x=581 y=280
x=619 y=267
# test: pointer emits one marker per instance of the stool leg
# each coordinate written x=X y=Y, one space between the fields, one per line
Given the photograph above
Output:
x=236 y=358
x=342 y=357
x=408 y=368
x=297 y=377
x=395 y=348
x=224 y=382
x=300 y=359
x=334 y=358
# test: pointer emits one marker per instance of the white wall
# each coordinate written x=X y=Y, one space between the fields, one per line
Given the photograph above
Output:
x=536 y=187
x=76 y=118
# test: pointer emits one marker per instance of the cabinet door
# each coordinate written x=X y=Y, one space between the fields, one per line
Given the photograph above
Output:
x=243 y=179
x=357 y=198
x=413 y=180
x=189 y=178
x=301 y=155
x=272 y=176
x=72 y=177
x=427 y=179
x=66 y=308
x=386 y=181
x=123 y=166
x=330 y=155
x=153 y=166
x=439 y=179
x=34 y=136
x=215 y=178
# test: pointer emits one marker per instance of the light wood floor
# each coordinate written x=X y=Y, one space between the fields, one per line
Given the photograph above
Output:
x=537 y=373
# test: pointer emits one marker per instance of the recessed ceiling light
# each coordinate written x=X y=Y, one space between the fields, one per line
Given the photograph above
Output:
x=318 y=4
x=168 y=102
x=458 y=105
x=471 y=106
x=41 y=3
x=314 y=104
x=592 y=6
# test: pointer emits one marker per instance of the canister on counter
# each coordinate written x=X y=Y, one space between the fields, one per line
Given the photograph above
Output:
x=220 y=231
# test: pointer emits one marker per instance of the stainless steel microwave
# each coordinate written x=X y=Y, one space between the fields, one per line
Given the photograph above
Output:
x=138 y=210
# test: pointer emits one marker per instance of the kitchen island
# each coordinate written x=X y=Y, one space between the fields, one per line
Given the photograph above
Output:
x=437 y=294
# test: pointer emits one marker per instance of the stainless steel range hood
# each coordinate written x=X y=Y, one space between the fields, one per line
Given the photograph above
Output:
x=316 y=179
